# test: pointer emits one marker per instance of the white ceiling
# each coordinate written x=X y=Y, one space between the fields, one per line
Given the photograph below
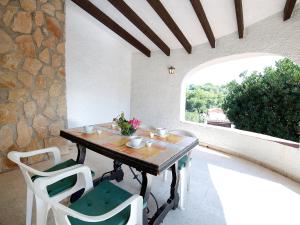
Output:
x=220 y=14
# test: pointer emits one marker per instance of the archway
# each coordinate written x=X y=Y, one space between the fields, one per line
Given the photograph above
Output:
x=230 y=66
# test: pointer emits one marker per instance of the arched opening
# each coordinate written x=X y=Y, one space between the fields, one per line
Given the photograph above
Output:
x=207 y=93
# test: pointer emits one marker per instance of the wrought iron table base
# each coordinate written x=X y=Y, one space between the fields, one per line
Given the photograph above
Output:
x=172 y=202
x=118 y=174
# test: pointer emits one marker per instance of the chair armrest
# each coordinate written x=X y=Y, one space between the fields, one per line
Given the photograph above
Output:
x=135 y=201
x=16 y=156
x=84 y=180
x=53 y=173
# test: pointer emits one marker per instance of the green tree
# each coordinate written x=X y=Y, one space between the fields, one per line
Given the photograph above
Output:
x=267 y=102
x=200 y=98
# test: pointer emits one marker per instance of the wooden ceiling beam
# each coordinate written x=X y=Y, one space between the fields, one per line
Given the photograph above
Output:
x=168 y=20
x=204 y=21
x=239 y=17
x=288 y=9
x=140 y=24
x=94 y=11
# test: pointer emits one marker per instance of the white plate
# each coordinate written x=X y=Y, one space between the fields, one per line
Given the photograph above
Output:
x=162 y=136
x=137 y=147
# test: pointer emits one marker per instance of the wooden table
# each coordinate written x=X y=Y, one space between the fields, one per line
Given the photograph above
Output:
x=163 y=154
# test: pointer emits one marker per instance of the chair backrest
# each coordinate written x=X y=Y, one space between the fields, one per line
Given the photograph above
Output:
x=28 y=171
x=183 y=133
x=62 y=213
x=84 y=180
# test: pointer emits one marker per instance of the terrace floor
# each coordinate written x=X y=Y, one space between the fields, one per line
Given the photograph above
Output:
x=224 y=190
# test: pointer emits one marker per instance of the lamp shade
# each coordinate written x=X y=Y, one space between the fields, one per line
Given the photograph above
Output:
x=171 y=70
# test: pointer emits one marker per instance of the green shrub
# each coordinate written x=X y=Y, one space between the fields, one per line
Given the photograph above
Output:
x=267 y=102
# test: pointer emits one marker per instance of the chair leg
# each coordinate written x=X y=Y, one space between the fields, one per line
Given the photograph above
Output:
x=29 y=205
x=42 y=210
x=136 y=212
x=183 y=185
x=188 y=172
x=165 y=175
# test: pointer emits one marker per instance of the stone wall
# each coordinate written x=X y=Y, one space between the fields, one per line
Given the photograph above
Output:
x=32 y=76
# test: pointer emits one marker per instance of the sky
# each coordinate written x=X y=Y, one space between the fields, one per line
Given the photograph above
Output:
x=223 y=73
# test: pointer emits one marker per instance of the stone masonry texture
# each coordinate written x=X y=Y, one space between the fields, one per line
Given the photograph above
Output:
x=32 y=77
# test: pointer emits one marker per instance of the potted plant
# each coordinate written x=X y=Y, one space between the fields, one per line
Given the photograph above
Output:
x=128 y=128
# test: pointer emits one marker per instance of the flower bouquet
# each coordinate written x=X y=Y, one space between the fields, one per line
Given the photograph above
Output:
x=128 y=128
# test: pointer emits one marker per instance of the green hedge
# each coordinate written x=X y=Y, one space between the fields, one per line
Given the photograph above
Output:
x=267 y=102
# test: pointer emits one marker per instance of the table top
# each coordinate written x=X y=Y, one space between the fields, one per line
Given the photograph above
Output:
x=162 y=154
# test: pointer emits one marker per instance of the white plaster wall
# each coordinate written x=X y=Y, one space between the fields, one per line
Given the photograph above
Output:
x=155 y=95
x=98 y=70
x=251 y=146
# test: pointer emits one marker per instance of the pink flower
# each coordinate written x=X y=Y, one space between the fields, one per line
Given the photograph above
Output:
x=135 y=123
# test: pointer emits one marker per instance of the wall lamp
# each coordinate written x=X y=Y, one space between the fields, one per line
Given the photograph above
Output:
x=171 y=70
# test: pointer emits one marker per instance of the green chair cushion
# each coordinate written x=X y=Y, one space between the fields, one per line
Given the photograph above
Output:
x=63 y=184
x=183 y=162
x=102 y=199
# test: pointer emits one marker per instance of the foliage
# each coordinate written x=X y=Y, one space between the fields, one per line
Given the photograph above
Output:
x=200 y=98
x=194 y=117
x=267 y=102
x=127 y=127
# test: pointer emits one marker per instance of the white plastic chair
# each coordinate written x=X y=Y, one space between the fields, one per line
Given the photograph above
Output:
x=184 y=171
x=28 y=172
x=62 y=213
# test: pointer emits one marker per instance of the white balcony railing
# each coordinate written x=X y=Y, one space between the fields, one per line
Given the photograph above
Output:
x=277 y=154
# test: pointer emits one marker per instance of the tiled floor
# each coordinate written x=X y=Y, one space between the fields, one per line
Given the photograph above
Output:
x=224 y=190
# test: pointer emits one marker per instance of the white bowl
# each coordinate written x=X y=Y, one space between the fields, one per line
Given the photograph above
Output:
x=161 y=131
x=148 y=144
x=89 y=129
x=135 y=141
x=151 y=134
x=131 y=137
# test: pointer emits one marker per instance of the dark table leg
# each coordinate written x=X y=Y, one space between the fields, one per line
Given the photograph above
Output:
x=172 y=202
x=145 y=192
x=80 y=160
x=174 y=196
